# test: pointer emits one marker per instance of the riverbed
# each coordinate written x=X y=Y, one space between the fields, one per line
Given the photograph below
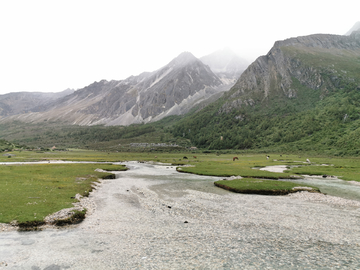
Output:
x=330 y=185
x=153 y=217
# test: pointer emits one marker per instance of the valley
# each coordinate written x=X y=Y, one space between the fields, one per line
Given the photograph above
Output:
x=303 y=96
x=151 y=215
x=130 y=140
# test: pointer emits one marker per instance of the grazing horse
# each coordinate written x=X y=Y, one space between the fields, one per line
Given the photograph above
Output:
x=194 y=156
x=234 y=158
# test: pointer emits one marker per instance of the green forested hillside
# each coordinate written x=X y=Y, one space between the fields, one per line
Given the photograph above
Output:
x=304 y=95
x=332 y=125
x=111 y=138
x=325 y=119
x=8 y=146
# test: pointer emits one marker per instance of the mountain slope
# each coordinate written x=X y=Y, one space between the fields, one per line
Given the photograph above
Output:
x=172 y=90
x=304 y=93
x=318 y=62
x=22 y=102
x=356 y=27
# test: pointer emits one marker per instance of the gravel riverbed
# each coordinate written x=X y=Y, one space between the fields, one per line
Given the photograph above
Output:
x=153 y=217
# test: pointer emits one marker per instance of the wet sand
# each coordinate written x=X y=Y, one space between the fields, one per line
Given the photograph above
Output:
x=153 y=217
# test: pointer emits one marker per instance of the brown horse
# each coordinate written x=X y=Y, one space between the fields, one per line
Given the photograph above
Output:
x=234 y=158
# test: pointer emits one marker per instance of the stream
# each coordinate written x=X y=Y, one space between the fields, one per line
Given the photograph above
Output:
x=329 y=185
x=153 y=217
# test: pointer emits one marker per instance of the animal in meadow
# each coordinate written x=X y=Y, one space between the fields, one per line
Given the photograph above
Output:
x=235 y=158
x=185 y=157
x=308 y=161
x=194 y=156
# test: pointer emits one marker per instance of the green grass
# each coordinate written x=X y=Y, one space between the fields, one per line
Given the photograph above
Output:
x=28 y=193
x=111 y=167
x=335 y=59
x=225 y=166
x=112 y=138
x=92 y=155
x=31 y=192
x=260 y=186
x=349 y=173
x=70 y=155
x=344 y=168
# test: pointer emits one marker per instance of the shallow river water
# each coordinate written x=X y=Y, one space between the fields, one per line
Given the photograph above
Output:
x=328 y=185
x=152 y=217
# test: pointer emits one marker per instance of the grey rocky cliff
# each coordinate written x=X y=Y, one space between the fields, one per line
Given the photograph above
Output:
x=273 y=74
x=173 y=89
x=143 y=98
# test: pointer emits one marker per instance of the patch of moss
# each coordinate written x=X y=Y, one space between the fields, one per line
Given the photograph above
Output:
x=30 y=225
x=112 y=167
x=77 y=217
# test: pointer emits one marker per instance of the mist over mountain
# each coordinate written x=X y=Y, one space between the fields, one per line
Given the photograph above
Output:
x=22 y=102
x=276 y=72
x=354 y=28
x=304 y=94
x=227 y=65
x=171 y=90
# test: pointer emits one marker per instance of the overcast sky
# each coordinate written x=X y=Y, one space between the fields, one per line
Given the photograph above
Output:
x=49 y=46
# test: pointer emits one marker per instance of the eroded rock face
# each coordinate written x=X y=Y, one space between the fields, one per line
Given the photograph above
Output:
x=150 y=95
x=274 y=73
x=173 y=89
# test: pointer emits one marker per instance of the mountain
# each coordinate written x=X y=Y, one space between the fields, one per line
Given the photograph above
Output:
x=304 y=93
x=303 y=60
x=23 y=102
x=319 y=62
x=226 y=65
x=171 y=90
x=354 y=28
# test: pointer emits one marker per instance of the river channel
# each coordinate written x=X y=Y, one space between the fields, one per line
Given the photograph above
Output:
x=153 y=217
x=329 y=185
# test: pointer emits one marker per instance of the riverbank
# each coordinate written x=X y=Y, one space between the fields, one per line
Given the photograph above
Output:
x=84 y=203
x=89 y=204
x=152 y=217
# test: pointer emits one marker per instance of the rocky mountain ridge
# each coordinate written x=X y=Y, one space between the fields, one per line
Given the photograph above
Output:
x=303 y=95
x=150 y=96
x=289 y=61
x=23 y=102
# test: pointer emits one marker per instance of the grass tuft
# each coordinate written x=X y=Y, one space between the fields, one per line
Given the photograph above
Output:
x=77 y=217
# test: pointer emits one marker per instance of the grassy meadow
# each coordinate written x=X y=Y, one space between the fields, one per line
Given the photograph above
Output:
x=31 y=192
x=263 y=187
x=225 y=166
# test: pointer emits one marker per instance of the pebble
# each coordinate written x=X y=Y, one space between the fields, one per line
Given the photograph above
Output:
x=322 y=198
